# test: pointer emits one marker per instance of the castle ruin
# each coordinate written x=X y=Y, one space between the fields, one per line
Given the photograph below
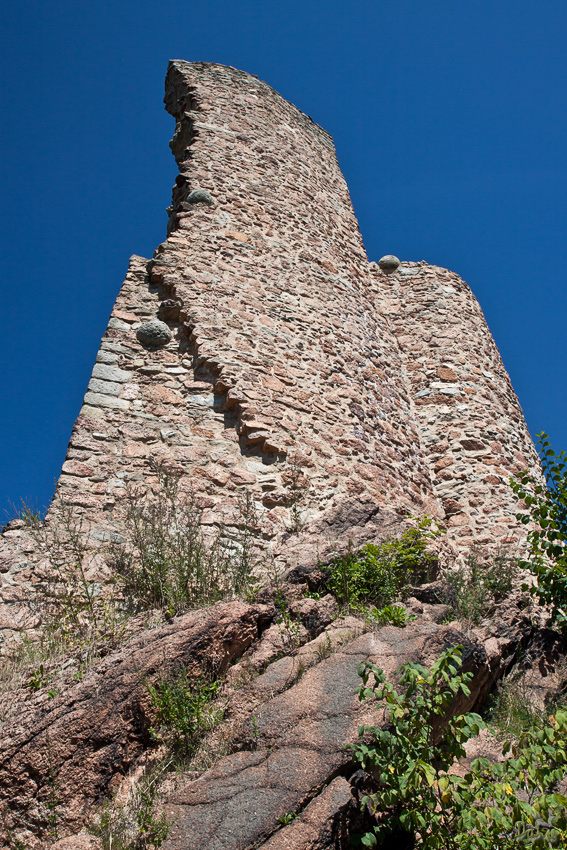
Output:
x=260 y=351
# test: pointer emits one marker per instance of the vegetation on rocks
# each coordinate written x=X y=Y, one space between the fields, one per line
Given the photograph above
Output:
x=547 y=536
x=183 y=710
x=135 y=826
x=479 y=585
x=418 y=802
x=169 y=562
x=377 y=573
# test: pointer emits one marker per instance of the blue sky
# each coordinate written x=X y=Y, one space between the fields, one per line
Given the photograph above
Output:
x=449 y=121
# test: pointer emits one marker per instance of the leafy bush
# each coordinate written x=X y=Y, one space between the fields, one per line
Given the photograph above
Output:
x=377 y=573
x=183 y=709
x=394 y=615
x=169 y=562
x=483 y=581
x=510 y=805
x=547 y=510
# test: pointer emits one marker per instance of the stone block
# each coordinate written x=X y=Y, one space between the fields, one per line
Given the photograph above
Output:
x=100 y=400
x=111 y=373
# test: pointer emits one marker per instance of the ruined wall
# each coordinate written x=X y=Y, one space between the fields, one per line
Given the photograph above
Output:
x=282 y=359
x=471 y=425
x=277 y=357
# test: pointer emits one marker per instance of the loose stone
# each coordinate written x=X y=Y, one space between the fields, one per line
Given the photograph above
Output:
x=154 y=334
x=388 y=263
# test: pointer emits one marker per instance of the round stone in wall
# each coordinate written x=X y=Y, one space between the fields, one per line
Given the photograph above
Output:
x=154 y=334
x=389 y=263
x=200 y=196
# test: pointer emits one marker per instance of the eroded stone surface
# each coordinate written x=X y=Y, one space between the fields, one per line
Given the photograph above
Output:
x=89 y=735
x=325 y=824
x=295 y=742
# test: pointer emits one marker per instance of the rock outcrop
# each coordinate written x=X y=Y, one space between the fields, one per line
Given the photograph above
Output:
x=62 y=757
x=77 y=745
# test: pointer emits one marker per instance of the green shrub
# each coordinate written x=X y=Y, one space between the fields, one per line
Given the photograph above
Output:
x=547 y=510
x=377 y=573
x=183 y=710
x=513 y=805
x=393 y=615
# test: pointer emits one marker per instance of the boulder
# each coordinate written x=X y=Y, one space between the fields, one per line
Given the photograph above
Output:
x=293 y=747
x=79 y=745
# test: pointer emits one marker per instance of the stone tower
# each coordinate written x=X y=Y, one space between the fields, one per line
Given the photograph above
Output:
x=260 y=351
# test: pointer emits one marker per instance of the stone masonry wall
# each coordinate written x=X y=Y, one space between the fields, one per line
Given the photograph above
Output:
x=277 y=359
x=471 y=425
x=282 y=362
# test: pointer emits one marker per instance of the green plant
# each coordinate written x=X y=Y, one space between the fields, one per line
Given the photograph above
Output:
x=30 y=516
x=183 y=709
x=408 y=756
x=547 y=537
x=483 y=580
x=376 y=574
x=169 y=562
x=75 y=601
x=38 y=679
x=324 y=647
x=287 y=818
x=289 y=627
x=510 y=805
x=394 y=615
x=135 y=826
x=511 y=711
x=298 y=487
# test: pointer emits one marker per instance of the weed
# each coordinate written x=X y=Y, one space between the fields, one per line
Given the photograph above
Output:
x=483 y=581
x=183 y=710
x=30 y=516
x=136 y=825
x=378 y=573
x=74 y=603
x=287 y=818
x=298 y=489
x=324 y=648
x=290 y=629
x=511 y=711
x=38 y=679
x=169 y=562
x=393 y=615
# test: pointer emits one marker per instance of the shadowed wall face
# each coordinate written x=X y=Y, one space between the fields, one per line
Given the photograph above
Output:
x=471 y=425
